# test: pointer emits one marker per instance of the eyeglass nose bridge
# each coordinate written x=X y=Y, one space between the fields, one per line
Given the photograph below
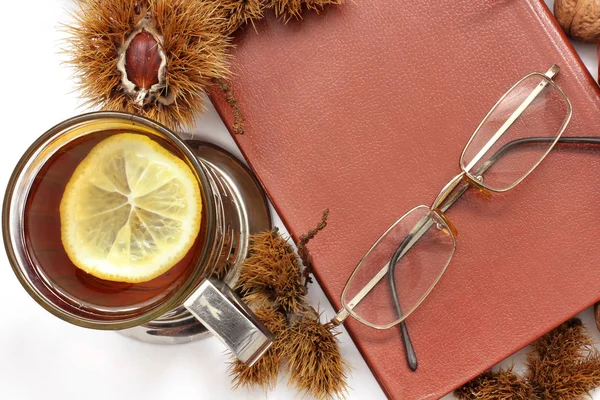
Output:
x=448 y=195
x=440 y=201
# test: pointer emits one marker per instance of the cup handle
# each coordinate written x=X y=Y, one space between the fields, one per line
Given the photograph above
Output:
x=224 y=314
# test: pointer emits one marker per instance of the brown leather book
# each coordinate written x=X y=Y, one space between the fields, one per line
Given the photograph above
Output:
x=365 y=108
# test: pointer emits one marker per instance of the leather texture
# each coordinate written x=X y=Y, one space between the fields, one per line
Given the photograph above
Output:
x=365 y=108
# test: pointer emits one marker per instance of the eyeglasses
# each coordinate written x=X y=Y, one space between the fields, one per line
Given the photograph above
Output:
x=403 y=266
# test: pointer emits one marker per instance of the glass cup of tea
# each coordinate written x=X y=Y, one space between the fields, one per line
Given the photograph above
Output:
x=178 y=305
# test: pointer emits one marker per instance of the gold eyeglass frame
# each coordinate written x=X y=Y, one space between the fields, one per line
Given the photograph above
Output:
x=446 y=197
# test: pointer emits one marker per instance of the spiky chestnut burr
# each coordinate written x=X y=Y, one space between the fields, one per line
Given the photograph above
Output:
x=314 y=360
x=155 y=58
x=238 y=13
x=563 y=364
x=272 y=273
x=288 y=9
x=265 y=371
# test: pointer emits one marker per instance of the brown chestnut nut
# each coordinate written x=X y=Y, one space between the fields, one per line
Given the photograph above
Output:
x=142 y=61
x=142 y=64
x=580 y=19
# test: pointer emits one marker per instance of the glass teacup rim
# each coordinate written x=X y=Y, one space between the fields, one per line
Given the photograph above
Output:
x=13 y=231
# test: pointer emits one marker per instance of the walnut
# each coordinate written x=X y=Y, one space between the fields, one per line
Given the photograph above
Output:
x=580 y=19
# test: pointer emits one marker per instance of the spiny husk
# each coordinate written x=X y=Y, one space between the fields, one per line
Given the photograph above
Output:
x=314 y=360
x=288 y=9
x=193 y=41
x=258 y=298
x=501 y=385
x=319 y=5
x=265 y=371
x=272 y=273
x=563 y=364
x=237 y=13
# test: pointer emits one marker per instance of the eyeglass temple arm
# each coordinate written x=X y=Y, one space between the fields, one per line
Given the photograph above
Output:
x=409 y=350
x=533 y=140
x=411 y=238
x=593 y=140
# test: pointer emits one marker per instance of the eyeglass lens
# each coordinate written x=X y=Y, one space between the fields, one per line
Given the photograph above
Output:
x=405 y=273
x=535 y=107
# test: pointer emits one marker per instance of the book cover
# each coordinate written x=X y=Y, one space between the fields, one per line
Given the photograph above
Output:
x=365 y=108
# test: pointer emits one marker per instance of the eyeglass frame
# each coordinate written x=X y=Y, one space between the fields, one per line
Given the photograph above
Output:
x=446 y=198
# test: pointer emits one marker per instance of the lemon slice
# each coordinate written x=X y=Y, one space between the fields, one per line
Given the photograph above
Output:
x=130 y=211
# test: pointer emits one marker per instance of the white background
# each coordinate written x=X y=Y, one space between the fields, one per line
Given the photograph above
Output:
x=44 y=357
